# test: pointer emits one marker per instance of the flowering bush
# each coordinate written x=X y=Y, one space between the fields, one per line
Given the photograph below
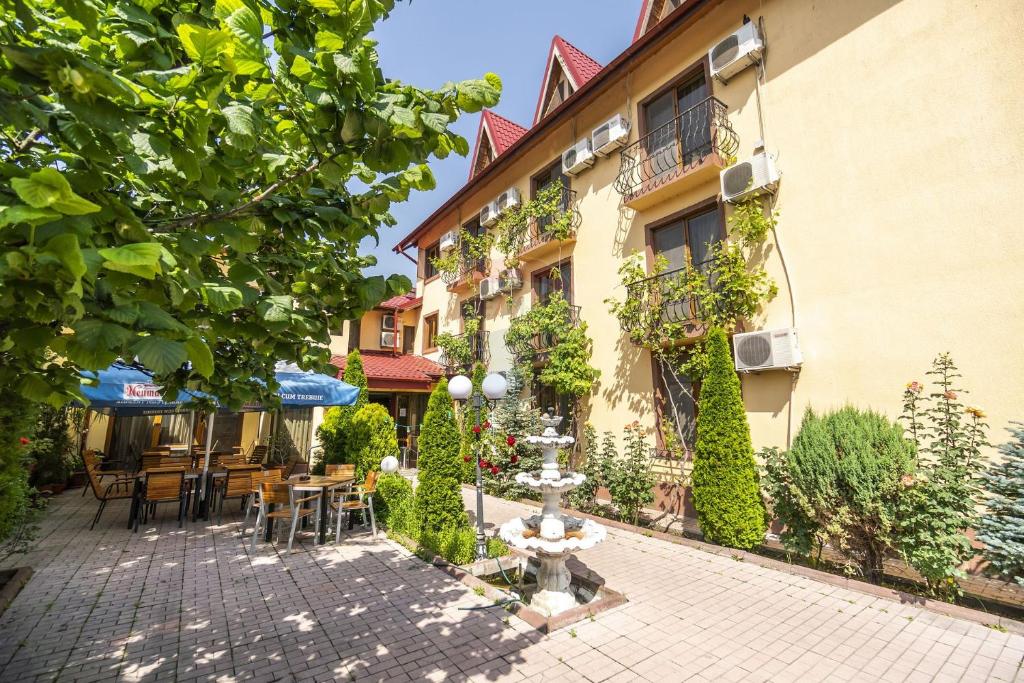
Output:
x=631 y=481
x=938 y=504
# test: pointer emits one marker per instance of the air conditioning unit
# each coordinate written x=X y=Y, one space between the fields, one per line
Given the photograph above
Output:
x=610 y=135
x=510 y=279
x=509 y=199
x=449 y=240
x=736 y=53
x=389 y=340
x=766 y=350
x=753 y=176
x=489 y=214
x=490 y=287
x=388 y=322
x=577 y=157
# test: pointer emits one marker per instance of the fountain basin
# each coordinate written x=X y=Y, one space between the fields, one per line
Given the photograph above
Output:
x=538 y=481
x=527 y=533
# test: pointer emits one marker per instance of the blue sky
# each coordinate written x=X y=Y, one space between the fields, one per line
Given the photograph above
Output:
x=428 y=42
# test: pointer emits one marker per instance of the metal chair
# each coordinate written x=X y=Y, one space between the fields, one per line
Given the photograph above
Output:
x=273 y=493
x=104 y=495
x=363 y=501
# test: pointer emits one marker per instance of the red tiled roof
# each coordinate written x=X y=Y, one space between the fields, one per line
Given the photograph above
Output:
x=579 y=67
x=500 y=131
x=402 y=302
x=384 y=370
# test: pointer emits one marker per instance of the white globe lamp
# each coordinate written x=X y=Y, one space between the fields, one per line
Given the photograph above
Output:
x=460 y=387
x=389 y=464
x=495 y=386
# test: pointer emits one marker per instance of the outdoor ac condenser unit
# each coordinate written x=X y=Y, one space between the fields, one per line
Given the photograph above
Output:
x=750 y=177
x=449 y=240
x=489 y=288
x=489 y=214
x=509 y=199
x=389 y=340
x=736 y=53
x=578 y=157
x=766 y=350
x=388 y=321
x=610 y=135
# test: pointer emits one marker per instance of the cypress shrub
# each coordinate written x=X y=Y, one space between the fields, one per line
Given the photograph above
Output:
x=1002 y=529
x=371 y=437
x=725 y=484
x=439 y=495
x=840 y=484
x=333 y=433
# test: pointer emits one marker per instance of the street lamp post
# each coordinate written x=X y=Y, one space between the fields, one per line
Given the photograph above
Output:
x=493 y=388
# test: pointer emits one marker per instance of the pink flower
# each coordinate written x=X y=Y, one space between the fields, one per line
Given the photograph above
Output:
x=907 y=480
x=24 y=441
x=950 y=395
x=915 y=387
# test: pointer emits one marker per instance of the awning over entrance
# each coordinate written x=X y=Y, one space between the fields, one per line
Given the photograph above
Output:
x=386 y=371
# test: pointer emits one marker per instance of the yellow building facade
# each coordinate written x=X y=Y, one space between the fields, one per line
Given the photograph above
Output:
x=894 y=127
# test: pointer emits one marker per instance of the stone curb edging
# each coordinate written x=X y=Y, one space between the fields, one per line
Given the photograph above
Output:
x=944 y=608
x=19 y=577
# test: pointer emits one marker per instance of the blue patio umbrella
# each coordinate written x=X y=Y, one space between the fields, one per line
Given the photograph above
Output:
x=301 y=388
x=128 y=390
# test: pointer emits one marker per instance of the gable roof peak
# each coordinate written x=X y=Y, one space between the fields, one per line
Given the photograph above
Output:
x=577 y=66
x=496 y=133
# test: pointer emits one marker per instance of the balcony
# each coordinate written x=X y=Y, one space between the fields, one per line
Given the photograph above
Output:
x=463 y=351
x=688 y=150
x=536 y=349
x=547 y=234
x=470 y=272
x=661 y=300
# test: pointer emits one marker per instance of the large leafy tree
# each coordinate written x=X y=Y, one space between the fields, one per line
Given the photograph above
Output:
x=187 y=183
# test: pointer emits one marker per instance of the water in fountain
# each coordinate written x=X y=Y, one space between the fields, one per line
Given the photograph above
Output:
x=552 y=535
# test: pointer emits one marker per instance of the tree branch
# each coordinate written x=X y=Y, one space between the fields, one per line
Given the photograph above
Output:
x=29 y=140
x=192 y=219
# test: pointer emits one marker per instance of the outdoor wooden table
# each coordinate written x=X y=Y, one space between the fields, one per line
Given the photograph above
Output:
x=322 y=484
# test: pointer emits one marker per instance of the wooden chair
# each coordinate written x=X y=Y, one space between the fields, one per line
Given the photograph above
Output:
x=280 y=493
x=340 y=471
x=237 y=484
x=362 y=499
x=163 y=485
x=273 y=476
x=90 y=459
x=111 y=492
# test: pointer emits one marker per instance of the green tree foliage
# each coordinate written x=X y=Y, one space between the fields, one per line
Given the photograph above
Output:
x=631 y=484
x=372 y=437
x=52 y=448
x=840 y=484
x=1001 y=529
x=189 y=183
x=393 y=491
x=334 y=433
x=939 y=505
x=725 y=483
x=17 y=424
x=439 y=494
x=515 y=417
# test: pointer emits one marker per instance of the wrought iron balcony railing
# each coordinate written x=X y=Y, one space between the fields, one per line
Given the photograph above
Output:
x=537 y=347
x=466 y=267
x=672 y=150
x=544 y=229
x=458 y=358
x=663 y=300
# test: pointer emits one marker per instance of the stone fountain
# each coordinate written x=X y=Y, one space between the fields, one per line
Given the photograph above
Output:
x=552 y=535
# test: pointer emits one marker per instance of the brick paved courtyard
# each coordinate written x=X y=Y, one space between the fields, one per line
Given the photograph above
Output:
x=192 y=604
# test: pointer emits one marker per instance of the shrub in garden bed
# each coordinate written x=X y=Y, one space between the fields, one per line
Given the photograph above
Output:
x=1002 y=529
x=372 y=437
x=440 y=467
